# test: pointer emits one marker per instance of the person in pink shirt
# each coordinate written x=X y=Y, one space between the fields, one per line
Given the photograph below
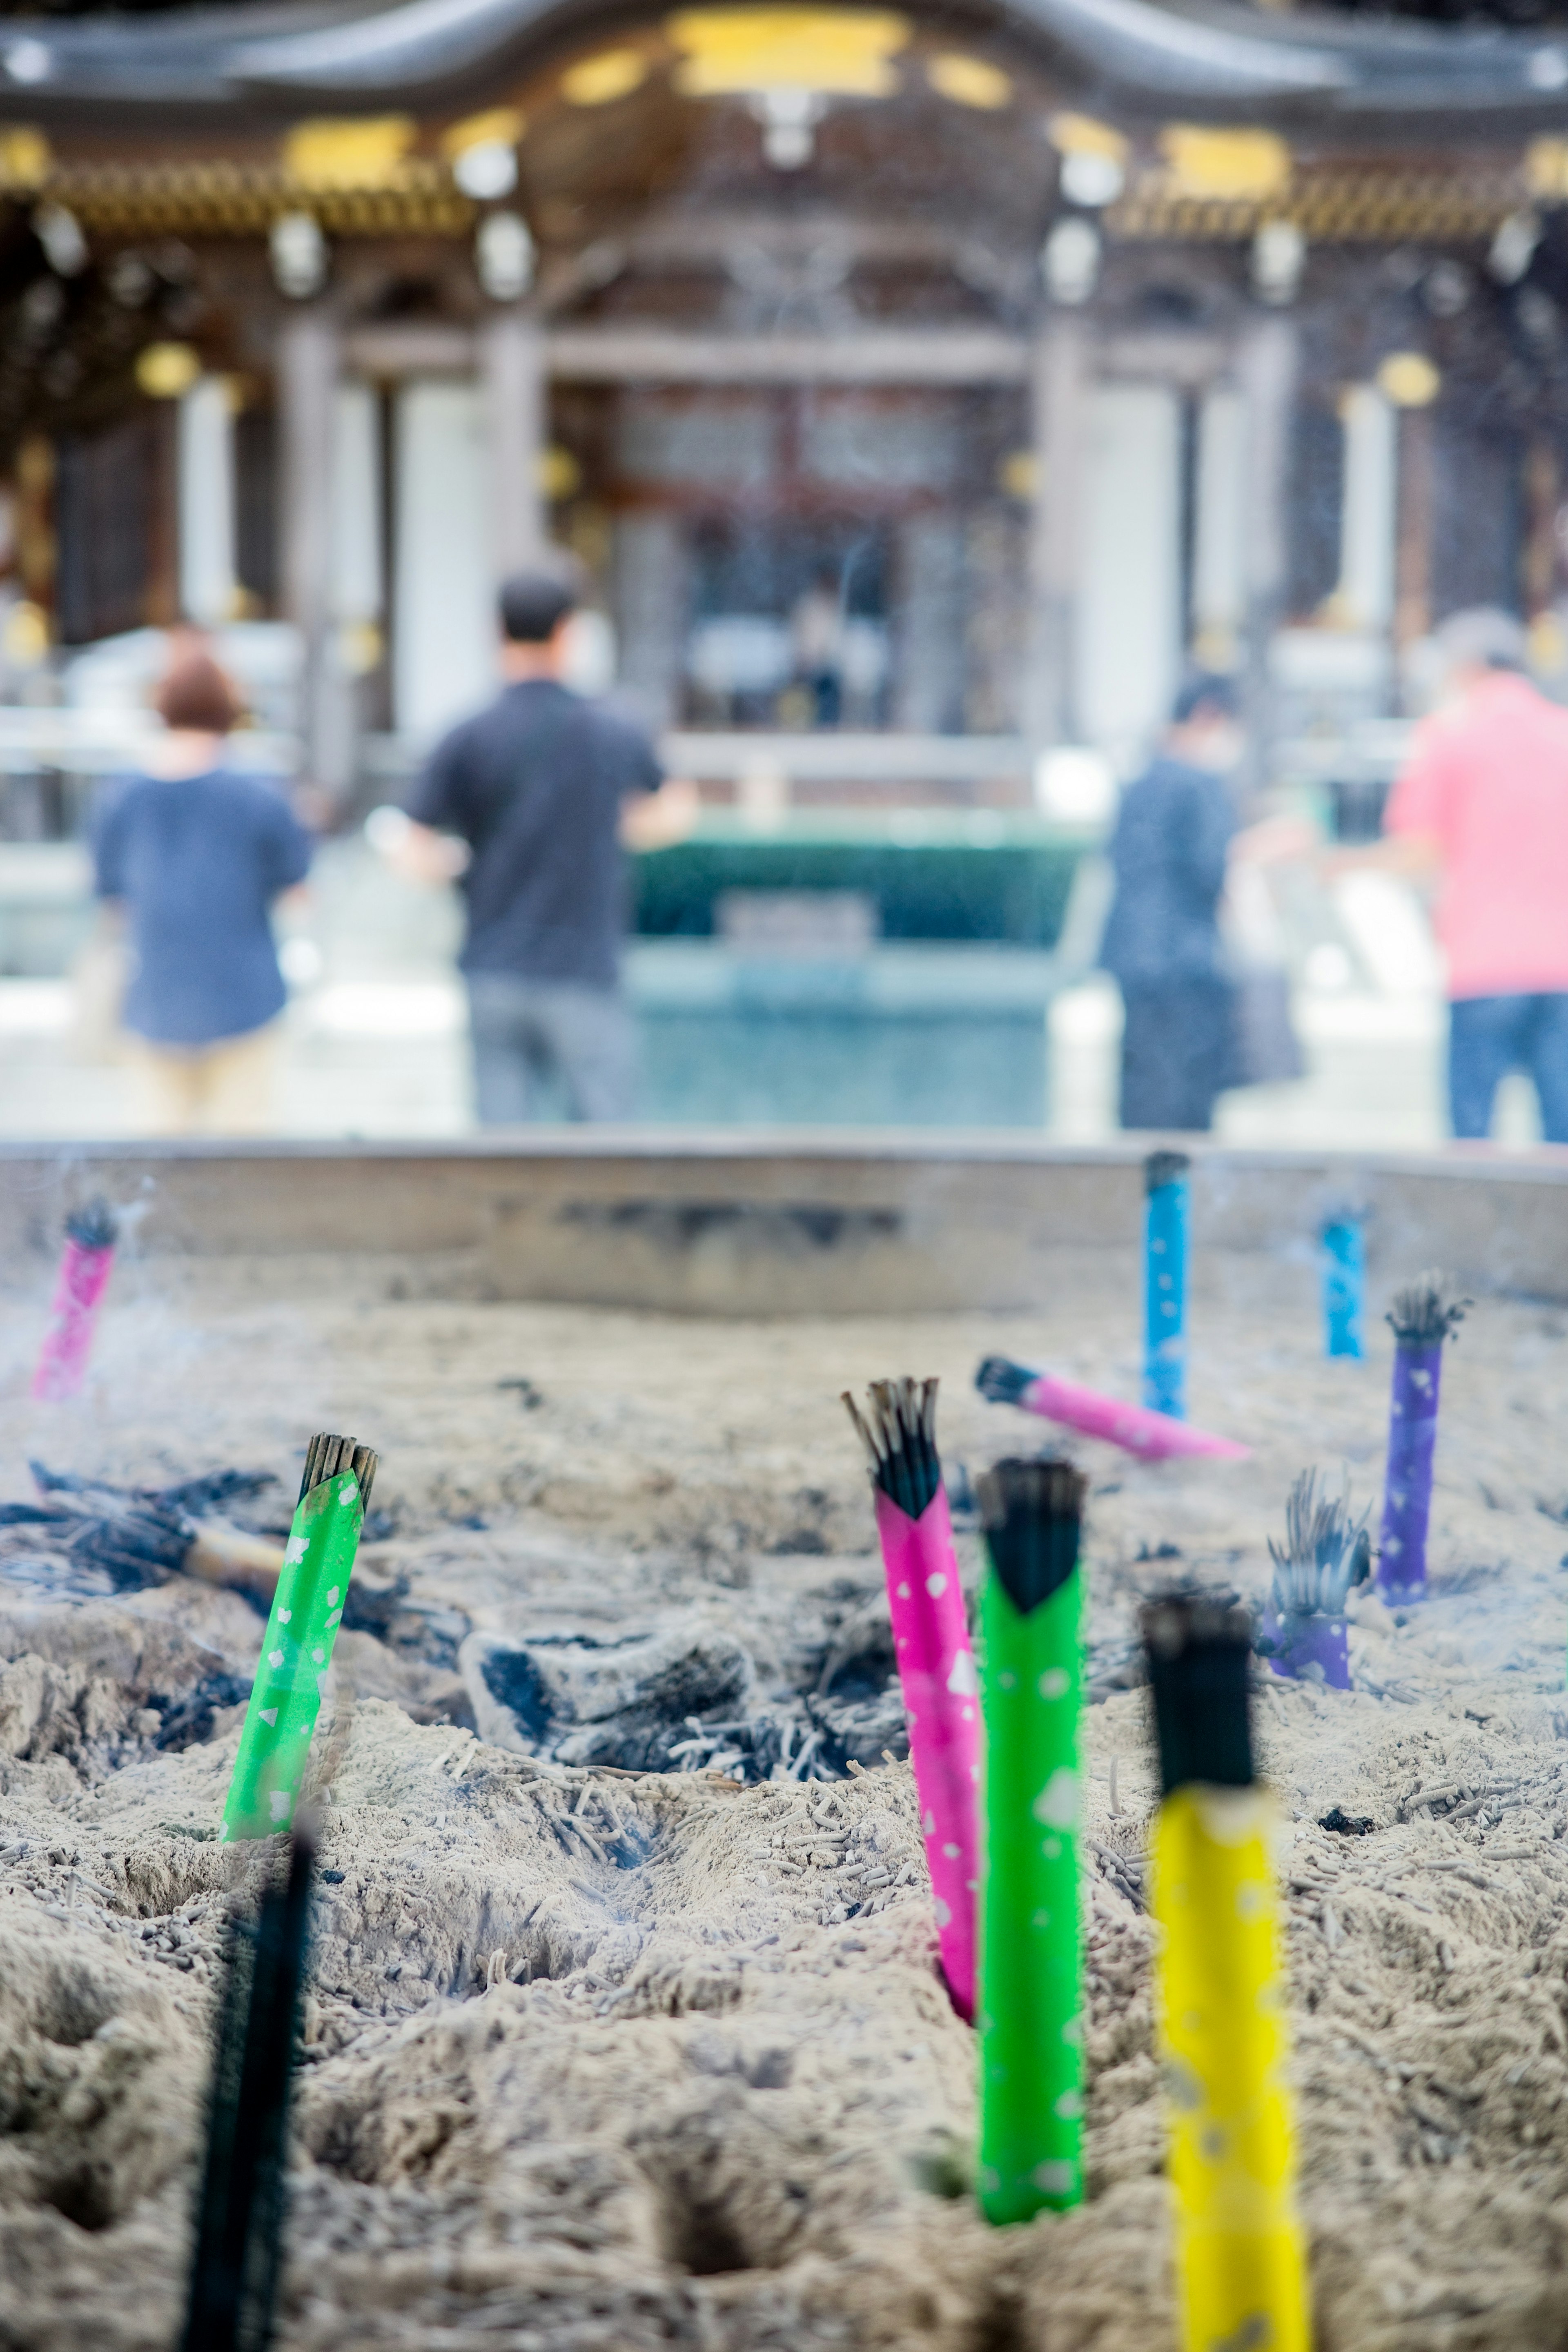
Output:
x=1481 y=810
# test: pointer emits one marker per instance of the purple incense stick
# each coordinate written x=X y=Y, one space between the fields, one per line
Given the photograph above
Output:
x=1422 y=1317
x=1325 y=1552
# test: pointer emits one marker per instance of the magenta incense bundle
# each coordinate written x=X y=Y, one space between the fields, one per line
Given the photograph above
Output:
x=85 y=1263
x=1326 y=1551
x=936 y=1665
x=1422 y=1317
x=1156 y=1436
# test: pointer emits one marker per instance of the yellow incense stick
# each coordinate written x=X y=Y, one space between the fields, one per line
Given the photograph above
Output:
x=1240 y=2263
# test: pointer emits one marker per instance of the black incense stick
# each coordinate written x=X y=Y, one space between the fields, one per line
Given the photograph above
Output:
x=898 y=1430
x=1031 y=1513
x=240 y=2220
x=1198 y=1650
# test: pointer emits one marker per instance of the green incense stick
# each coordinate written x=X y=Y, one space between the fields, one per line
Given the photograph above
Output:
x=297 y=1649
x=1031 y=1964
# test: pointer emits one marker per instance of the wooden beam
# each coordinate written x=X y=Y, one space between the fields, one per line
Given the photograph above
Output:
x=891 y=355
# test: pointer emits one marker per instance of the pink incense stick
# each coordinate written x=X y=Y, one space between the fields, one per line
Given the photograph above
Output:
x=85 y=1263
x=1156 y=1436
x=936 y=1663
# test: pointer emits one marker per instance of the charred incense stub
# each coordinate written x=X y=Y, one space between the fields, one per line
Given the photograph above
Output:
x=1163 y=1168
x=1031 y=1512
x=1426 y=1312
x=326 y=1456
x=1326 y=1551
x=1001 y=1382
x=898 y=1430
x=94 y=1225
x=1198 y=1650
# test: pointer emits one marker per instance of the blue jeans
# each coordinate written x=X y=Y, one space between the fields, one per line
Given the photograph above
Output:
x=545 y=1048
x=1488 y=1036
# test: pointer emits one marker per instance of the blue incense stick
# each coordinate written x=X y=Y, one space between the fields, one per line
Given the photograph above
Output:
x=1165 y=1224
x=1345 y=1285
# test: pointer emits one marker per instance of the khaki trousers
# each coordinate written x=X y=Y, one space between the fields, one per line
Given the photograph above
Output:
x=225 y=1089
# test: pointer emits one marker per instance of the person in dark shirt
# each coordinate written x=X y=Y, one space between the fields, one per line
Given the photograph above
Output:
x=195 y=855
x=527 y=805
x=1162 y=943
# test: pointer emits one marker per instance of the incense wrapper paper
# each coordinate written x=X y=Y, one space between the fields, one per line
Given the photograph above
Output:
x=1165 y=1229
x=1408 y=1483
x=1344 y=1286
x=1031 y=1966
x=1240 y=2265
x=942 y=1699
x=84 y=1270
x=296 y=1653
x=1155 y=1436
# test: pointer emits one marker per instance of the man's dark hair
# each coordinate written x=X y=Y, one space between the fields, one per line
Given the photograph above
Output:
x=533 y=604
x=1206 y=690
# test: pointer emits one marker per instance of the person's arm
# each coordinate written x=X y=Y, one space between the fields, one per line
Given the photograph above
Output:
x=1204 y=829
x=430 y=842
x=658 y=819
x=419 y=853
x=1412 y=856
x=109 y=881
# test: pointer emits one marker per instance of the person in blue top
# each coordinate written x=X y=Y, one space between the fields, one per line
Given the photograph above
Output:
x=195 y=854
x=1173 y=842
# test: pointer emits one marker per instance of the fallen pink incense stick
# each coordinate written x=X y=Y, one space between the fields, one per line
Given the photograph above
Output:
x=85 y=1263
x=936 y=1665
x=1155 y=1435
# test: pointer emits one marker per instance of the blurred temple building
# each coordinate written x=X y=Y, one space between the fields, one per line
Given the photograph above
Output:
x=919 y=391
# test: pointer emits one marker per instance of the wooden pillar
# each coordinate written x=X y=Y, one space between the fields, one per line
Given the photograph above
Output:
x=1266 y=373
x=1542 y=500
x=308 y=361
x=1058 y=399
x=517 y=419
x=1413 y=555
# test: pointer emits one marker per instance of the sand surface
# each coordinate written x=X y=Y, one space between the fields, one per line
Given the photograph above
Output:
x=612 y=2059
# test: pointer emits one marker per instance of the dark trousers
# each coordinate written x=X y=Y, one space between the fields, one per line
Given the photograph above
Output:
x=1177 y=1052
x=545 y=1048
x=1488 y=1036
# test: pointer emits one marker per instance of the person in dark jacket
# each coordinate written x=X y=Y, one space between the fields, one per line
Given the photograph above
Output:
x=529 y=807
x=1161 y=941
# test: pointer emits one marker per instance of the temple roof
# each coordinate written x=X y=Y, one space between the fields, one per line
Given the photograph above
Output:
x=1214 y=59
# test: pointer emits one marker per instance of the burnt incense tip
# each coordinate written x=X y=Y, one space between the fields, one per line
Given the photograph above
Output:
x=1004 y=1382
x=1163 y=1168
x=1426 y=1311
x=327 y=1456
x=1032 y=1513
x=1198 y=1650
x=898 y=1431
x=94 y=1225
x=1325 y=1551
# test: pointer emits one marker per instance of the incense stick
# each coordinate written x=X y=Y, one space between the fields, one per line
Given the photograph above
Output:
x=1031 y=2054
x=1325 y=1553
x=87 y=1261
x=936 y=1665
x=1165 y=1229
x=239 y=2249
x=1422 y=1317
x=1240 y=2265
x=1344 y=1283
x=1154 y=1436
x=301 y=1629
